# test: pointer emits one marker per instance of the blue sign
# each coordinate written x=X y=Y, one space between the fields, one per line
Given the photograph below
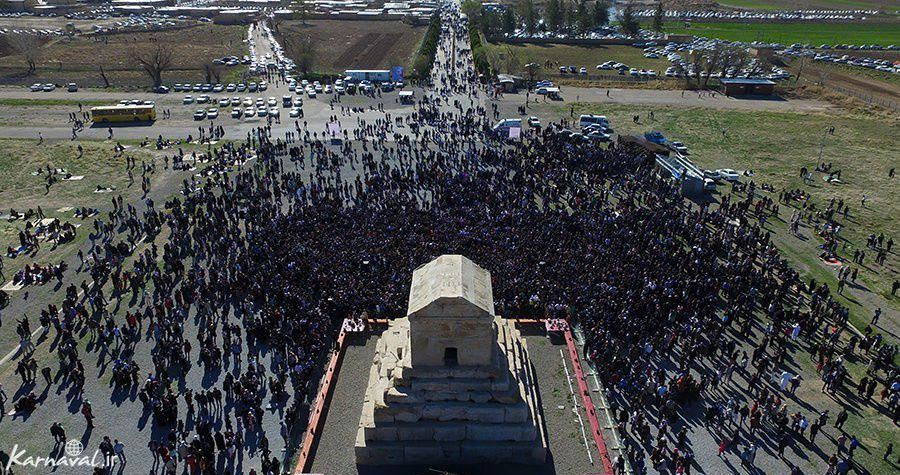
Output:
x=397 y=73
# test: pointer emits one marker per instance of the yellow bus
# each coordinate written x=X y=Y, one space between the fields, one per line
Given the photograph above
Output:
x=123 y=113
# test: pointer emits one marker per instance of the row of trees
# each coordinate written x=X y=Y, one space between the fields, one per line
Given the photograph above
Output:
x=559 y=16
x=578 y=16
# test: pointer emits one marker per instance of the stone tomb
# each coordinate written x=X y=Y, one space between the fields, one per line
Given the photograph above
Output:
x=451 y=382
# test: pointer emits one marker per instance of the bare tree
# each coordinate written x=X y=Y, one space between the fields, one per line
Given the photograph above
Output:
x=531 y=69
x=29 y=46
x=155 y=60
x=302 y=50
x=103 y=75
x=732 y=60
x=512 y=61
x=713 y=59
x=213 y=72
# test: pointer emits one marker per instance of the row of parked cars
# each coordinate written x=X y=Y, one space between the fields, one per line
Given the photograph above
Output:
x=38 y=87
x=246 y=107
x=231 y=87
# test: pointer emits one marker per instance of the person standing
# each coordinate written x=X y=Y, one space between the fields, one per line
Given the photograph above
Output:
x=841 y=419
x=119 y=450
x=88 y=414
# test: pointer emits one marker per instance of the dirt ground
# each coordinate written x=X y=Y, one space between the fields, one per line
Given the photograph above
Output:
x=78 y=59
x=342 y=44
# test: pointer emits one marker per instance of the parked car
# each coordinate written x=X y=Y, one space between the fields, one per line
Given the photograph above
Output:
x=188 y=100
x=236 y=113
x=534 y=122
x=728 y=174
x=212 y=113
x=200 y=114
x=72 y=87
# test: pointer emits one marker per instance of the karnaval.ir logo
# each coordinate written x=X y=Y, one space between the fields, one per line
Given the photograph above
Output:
x=72 y=457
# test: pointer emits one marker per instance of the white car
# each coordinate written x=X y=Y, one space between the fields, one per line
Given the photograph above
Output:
x=272 y=102
x=224 y=102
x=250 y=112
x=212 y=113
x=311 y=93
x=248 y=102
x=261 y=111
x=274 y=111
x=298 y=102
x=202 y=99
x=188 y=100
x=49 y=87
x=328 y=89
x=236 y=113
x=294 y=112
x=200 y=114
x=679 y=147
x=728 y=174
x=235 y=101
x=37 y=87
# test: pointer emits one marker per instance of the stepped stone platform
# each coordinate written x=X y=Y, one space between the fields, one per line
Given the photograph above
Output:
x=461 y=414
x=451 y=383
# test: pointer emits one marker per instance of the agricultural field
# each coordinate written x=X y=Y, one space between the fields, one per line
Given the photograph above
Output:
x=883 y=33
x=340 y=45
x=79 y=59
x=551 y=57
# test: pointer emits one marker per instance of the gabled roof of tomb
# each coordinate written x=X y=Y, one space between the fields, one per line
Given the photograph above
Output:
x=451 y=286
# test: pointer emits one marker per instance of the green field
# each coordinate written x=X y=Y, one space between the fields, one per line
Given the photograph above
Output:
x=787 y=33
x=810 y=4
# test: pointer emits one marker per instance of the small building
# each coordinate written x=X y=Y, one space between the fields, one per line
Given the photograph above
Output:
x=762 y=52
x=509 y=83
x=679 y=38
x=748 y=86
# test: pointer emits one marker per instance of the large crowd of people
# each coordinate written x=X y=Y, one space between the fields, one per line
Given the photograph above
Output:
x=284 y=238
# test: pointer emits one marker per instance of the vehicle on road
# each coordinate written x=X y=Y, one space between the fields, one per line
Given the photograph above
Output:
x=124 y=113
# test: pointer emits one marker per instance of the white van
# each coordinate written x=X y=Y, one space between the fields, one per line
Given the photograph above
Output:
x=502 y=127
x=588 y=119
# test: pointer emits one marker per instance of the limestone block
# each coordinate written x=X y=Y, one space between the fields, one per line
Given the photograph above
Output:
x=516 y=414
x=431 y=385
x=505 y=397
x=480 y=397
x=418 y=431
x=383 y=416
x=442 y=396
x=471 y=385
x=413 y=454
x=494 y=432
x=492 y=414
x=443 y=412
x=408 y=415
x=382 y=433
x=384 y=455
x=449 y=432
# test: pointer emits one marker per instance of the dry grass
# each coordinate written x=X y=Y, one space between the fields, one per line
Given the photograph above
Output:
x=345 y=44
x=78 y=59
